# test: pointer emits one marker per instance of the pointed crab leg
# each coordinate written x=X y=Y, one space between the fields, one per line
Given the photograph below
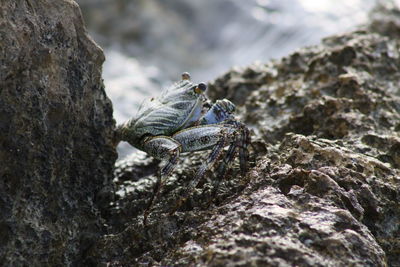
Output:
x=203 y=137
x=161 y=147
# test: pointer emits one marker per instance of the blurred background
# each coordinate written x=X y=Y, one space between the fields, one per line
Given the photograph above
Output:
x=149 y=43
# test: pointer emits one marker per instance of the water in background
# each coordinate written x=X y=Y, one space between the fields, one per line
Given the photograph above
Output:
x=149 y=43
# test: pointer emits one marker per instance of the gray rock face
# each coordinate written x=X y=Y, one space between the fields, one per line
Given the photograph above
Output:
x=56 y=128
x=324 y=187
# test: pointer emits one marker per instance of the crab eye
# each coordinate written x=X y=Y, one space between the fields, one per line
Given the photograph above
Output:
x=186 y=76
x=200 y=88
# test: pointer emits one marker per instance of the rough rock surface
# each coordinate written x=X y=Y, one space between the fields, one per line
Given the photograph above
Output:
x=324 y=186
x=56 y=128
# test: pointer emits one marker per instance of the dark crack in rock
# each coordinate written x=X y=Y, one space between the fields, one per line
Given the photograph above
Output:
x=56 y=129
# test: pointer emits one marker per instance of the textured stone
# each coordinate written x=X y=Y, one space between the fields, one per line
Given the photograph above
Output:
x=56 y=128
x=324 y=183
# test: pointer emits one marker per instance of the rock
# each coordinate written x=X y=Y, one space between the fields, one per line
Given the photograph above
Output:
x=324 y=185
x=56 y=129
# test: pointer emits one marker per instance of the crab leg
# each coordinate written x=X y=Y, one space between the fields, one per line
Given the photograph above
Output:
x=161 y=147
x=242 y=142
x=201 y=138
x=229 y=156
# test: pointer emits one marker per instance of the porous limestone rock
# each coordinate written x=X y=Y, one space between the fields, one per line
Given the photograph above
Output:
x=324 y=184
x=56 y=127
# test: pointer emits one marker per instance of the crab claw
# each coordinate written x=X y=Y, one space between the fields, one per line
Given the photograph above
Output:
x=186 y=76
x=226 y=105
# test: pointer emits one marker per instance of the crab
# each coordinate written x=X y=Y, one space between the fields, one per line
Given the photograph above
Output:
x=182 y=120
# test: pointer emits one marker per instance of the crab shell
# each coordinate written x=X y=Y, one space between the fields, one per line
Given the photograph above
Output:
x=178 y=107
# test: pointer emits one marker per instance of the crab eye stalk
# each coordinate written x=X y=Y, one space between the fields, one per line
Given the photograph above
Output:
x=186 y=76
x=200 y=88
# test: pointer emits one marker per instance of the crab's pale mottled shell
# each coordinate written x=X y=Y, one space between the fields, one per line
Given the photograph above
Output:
x=176 y=108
